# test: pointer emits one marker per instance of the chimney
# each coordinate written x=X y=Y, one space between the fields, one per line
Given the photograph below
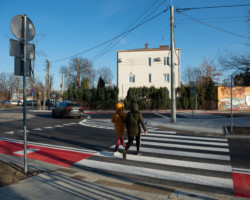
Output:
x=146 y=45
x=164 y=47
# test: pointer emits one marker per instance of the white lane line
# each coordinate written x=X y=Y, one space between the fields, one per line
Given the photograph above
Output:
x=182 y=146
x=172 y=162
x=163 y=116
x=51 y=146
x=30 y=150
x=183 y=153
x=9 y=132
x=161 y=174
x=185 y=141
x=241 y=170
x=66 y=124
x=188 y=137
x=27 y=131
x=156 y=131
x=58 y=126
x=37 y=129
x=48 y=127
x=73 y=123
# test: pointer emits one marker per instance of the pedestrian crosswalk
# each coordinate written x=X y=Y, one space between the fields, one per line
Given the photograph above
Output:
x=171 y=158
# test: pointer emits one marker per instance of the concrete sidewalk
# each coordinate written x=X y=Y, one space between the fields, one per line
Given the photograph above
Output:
x=202 y=123
x=76 y=183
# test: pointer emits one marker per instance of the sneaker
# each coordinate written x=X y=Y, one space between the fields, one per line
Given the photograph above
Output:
x=124 y=154
x=138 y=153
x=116 y=153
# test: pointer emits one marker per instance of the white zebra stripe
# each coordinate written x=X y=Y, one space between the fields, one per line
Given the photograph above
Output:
x=186 y=141
x=183 y=153
x=188 y=137
x=182 y=146
x=160 y=174
x=172 y=162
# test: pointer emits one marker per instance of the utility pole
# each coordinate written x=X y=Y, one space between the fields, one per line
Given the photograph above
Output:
x=173 y=103
x=46 y=85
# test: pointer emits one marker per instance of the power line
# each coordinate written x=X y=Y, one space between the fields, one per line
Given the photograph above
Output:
x=92 y=48
x=112 y=45
x=220 y=29
x=227 y=6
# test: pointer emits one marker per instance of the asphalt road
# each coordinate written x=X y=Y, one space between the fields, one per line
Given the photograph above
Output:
x=189 y=154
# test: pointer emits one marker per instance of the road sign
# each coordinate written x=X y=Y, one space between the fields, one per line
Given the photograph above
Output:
x=32 y=94
x=232 y=81
x=16 y=49
x=54 y=95
x=192 y=91
x=32 y=90
x=18 y=70
x=16 y=25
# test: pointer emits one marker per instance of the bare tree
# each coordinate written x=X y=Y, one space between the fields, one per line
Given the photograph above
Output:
x=80 y=68
x=202 y=74
x=106 y=75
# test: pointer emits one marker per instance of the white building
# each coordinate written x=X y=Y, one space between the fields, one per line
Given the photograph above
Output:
x=146 y=67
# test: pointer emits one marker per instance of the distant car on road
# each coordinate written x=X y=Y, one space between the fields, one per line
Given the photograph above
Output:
x=14 y=102
x=6 y=102
x=68 y=109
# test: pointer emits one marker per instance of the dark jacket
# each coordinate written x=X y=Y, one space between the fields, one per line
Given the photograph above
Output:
x=134 y=120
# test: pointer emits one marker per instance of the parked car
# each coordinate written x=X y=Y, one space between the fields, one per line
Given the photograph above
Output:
x=6 y=102
x=71 y=109
x=14 y=102
x=31 y=102
x=20 y=102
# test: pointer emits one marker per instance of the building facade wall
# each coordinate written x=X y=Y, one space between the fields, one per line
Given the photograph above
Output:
x=136 y=63
x=241 y=98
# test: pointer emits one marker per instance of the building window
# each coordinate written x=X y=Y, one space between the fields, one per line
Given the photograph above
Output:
x=132 y=78
x=166 y=78
x=149 y=61
x=149 y=78
x=166 y=60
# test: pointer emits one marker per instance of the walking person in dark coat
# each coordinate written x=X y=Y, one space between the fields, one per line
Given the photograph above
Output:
x=133 y=121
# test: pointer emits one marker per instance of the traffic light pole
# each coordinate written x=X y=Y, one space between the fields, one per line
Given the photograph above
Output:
x=24 y=95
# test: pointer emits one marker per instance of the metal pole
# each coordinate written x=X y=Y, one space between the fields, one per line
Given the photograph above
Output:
x=24 y=94
x=196 y=102
x=173 y=106
x=192 y=106
x=231 y=104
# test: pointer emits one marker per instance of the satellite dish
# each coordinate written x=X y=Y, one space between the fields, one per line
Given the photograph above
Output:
x=16 y=26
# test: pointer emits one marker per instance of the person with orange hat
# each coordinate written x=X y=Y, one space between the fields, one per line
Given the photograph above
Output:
x=119 y=120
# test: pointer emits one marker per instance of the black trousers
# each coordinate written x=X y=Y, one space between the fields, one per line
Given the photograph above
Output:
x=130 y=142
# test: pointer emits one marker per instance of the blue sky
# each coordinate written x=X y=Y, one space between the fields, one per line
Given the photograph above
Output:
x=71 y=27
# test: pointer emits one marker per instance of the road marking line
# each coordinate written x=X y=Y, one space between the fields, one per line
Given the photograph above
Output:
x=156 y=131
x=241 y=170
x=188 y=137
x=66 y=124
x=161 y=174
x=9 y=132
x=183 y=153
x=37 y=129
x=48 y=127
x=58 y=126
x=172 y=162
x=22 y=131
x=30 y=150
x=182 y=146
x=185 y=141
